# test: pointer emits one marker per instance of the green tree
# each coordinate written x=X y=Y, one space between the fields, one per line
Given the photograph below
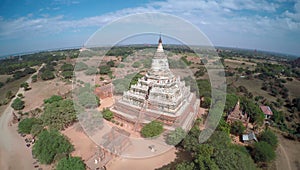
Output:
x=88 y=99
x=34 y=78
x=263 y=152
x=107 y=114
x=206 y=103
x=206 y=163
x=26 y=125
x=52 y=99
x=9 y=94
x=59 y=115
x=67 y=74
x=223 y=126
x=231 y=100
x=25 y=85
x=110 y=63
x=91 y=71
x=136 y=64
x=185 y=166
x=269 y=137
x=252 y=109
x=70 y=163
x=175 y=137
x=1 y=84
x=191 y=140
x=105 y=70
x=47 y=75
x=18 y=104
x=66 y=67
x=230 y=158
x=80 y=66
x=237 y=128
x=36 y=129
x=152 y=129
x=49 y=144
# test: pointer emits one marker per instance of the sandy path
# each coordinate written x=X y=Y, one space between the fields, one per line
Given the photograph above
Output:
x=13 y=152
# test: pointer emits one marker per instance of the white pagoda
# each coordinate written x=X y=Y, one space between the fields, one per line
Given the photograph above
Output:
x=159 y=95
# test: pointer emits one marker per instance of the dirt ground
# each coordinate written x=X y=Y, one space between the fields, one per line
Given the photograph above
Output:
x=42 y=90
x=238 y=63
x=144 y=164
x=288 y=153
x=13 y=86
x=83 y=145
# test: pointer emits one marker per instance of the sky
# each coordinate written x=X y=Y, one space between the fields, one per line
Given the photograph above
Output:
x=29 y=25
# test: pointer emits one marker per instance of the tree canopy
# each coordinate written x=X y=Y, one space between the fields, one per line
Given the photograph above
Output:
x=50 y=144
x=26 y=125
x=18 y=104
x=231 y=100
x=152 y=129
x=54 y=98
x=67 y=67
x=263 y=152
x=237 y=128
x=269 y=137
x=70 y=163
x=47 y=75
x=252 y=109
x=175 y=137
x=25 y=85
x=88 y=99
x=185 y=166
x=59 y=115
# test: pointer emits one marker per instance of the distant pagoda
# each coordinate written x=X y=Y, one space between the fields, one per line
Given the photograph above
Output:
x=159 y=95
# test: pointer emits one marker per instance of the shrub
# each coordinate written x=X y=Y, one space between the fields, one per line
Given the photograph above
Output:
x=18 y=104
x=152 y=129
x=108 y=115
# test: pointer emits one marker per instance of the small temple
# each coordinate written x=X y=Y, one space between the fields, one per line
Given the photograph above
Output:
x=159 y=95
x=237 y=115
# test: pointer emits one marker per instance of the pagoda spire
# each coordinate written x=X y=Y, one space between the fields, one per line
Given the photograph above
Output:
x=160 y=48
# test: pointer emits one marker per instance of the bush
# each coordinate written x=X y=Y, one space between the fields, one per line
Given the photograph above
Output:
x=107 y=114
x=152 y=129
x=18 y=104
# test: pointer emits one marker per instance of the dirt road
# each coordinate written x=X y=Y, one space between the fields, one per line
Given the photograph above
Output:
x=13 y=152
